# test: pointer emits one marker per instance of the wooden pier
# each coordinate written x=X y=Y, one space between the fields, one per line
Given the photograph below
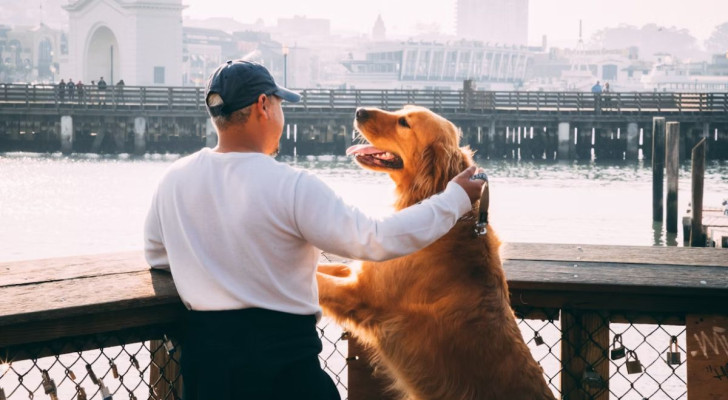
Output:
x=56 y=306
x=511 y=125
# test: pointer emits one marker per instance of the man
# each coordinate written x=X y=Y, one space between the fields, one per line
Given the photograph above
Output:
x=101 y=87
x=597 y=88
x=240 y=233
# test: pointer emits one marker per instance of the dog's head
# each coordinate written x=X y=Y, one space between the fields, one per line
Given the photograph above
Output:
x=416 y=147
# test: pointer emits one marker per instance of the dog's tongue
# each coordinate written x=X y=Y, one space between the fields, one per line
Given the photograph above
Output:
x=362 y=149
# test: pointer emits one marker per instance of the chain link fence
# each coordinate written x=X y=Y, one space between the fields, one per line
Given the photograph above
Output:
x=586 y=355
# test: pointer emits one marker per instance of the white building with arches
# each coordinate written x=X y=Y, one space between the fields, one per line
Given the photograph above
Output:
x=139 y=41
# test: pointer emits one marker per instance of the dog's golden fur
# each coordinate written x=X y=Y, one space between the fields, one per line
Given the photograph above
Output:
x=439 y=320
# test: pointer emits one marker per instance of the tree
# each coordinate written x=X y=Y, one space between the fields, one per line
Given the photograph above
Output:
x=650 y=39
x=717 y=43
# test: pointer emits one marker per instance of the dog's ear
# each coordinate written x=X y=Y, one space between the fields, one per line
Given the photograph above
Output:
x=438 y=165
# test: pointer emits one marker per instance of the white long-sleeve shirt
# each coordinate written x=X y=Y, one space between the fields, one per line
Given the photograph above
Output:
x=241 y=230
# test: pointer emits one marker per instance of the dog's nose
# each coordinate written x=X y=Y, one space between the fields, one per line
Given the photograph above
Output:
x=361 y=114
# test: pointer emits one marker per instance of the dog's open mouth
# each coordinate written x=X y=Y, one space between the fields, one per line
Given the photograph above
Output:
x=369 y=155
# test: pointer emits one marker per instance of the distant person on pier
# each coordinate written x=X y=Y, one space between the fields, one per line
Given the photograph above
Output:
x=241 y=232
x=120 y=90
x=79 y=89
x=71 y=90
x=597 y=88
x=101 y=86
x=606 y=87
x=62 y=90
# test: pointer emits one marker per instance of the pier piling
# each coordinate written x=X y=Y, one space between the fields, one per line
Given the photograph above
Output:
x=673 y=170
x=697 y=237
x=658 y=168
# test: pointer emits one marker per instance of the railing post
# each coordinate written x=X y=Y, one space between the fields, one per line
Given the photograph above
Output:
x=584 y=345
x=164 y=372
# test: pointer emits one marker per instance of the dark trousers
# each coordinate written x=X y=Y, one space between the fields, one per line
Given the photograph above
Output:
x=253 y=354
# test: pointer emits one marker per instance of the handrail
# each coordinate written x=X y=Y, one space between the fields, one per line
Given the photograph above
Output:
x=582 y=287
x=190 y=98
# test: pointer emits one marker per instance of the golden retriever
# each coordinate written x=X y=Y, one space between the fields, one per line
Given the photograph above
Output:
x=439 y=321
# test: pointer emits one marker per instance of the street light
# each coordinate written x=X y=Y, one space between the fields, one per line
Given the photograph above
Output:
x=285 y=65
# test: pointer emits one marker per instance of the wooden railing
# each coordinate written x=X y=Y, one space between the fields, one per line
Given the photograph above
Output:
x=13 y=96
x=580 y=291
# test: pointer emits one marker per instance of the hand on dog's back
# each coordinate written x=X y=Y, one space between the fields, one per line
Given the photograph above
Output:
x=472 y=187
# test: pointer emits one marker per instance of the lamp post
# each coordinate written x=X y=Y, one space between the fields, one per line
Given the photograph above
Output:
x=285 y=65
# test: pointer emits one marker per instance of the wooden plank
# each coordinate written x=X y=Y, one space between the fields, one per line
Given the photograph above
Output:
x=616 y=254
x=634 y=278
x=55 y=269
x=41 y=330
x=98 y=294
x=707 y=357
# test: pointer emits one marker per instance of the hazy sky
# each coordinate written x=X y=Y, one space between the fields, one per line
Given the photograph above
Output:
x=559 y=19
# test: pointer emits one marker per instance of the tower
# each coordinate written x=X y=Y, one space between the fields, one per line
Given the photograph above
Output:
x=379 y=32
x=139 y=41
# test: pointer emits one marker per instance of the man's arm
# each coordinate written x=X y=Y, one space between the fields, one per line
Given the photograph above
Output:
x=154 y=250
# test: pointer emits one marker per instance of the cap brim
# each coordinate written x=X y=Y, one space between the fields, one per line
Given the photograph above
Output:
x=287 y=95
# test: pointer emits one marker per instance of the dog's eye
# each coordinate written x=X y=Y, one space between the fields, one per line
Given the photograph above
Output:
x=403 y=122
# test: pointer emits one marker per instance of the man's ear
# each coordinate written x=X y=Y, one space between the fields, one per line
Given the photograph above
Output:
x=263 y=104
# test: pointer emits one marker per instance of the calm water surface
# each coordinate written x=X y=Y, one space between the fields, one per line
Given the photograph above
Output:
x=54 y=205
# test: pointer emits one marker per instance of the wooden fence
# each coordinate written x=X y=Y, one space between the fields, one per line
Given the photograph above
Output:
x=586 y=294
x=26 y=96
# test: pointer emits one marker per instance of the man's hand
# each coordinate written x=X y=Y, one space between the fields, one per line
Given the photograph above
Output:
x=473 y=187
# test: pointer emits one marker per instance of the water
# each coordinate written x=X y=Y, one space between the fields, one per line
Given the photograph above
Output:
x=54 y=205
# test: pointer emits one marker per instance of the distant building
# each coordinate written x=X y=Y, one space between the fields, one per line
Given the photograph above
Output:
x=379 y=31
x=419 y=65
x=503 y=22
x=31 y=54
x=139 y=41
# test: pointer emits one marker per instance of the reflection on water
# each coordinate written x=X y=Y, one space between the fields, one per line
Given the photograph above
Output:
x=54 y=205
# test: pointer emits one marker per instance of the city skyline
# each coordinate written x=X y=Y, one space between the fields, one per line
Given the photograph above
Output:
x=700 y=17
x=557 y=19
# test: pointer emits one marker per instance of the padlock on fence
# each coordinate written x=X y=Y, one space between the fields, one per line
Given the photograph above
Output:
x=673 y=355
x=114 y=370
x=633 y=366
x=49 y=386
x=2 y=394
x=592 y=379
x=537 y=339
x=134 y=362
x=618 y=351
x=168 y=345
x=91 y=374
x=70 y=374
x=80 y=393
x=105 y=392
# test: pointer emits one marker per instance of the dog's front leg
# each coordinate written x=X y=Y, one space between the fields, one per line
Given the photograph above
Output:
x=338 y=292
x=338 y=270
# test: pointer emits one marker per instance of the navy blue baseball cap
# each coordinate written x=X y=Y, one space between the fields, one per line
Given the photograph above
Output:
x=239 y=83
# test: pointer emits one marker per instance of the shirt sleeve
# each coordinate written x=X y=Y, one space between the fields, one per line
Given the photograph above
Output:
x=329 y=223
x=154 y=250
